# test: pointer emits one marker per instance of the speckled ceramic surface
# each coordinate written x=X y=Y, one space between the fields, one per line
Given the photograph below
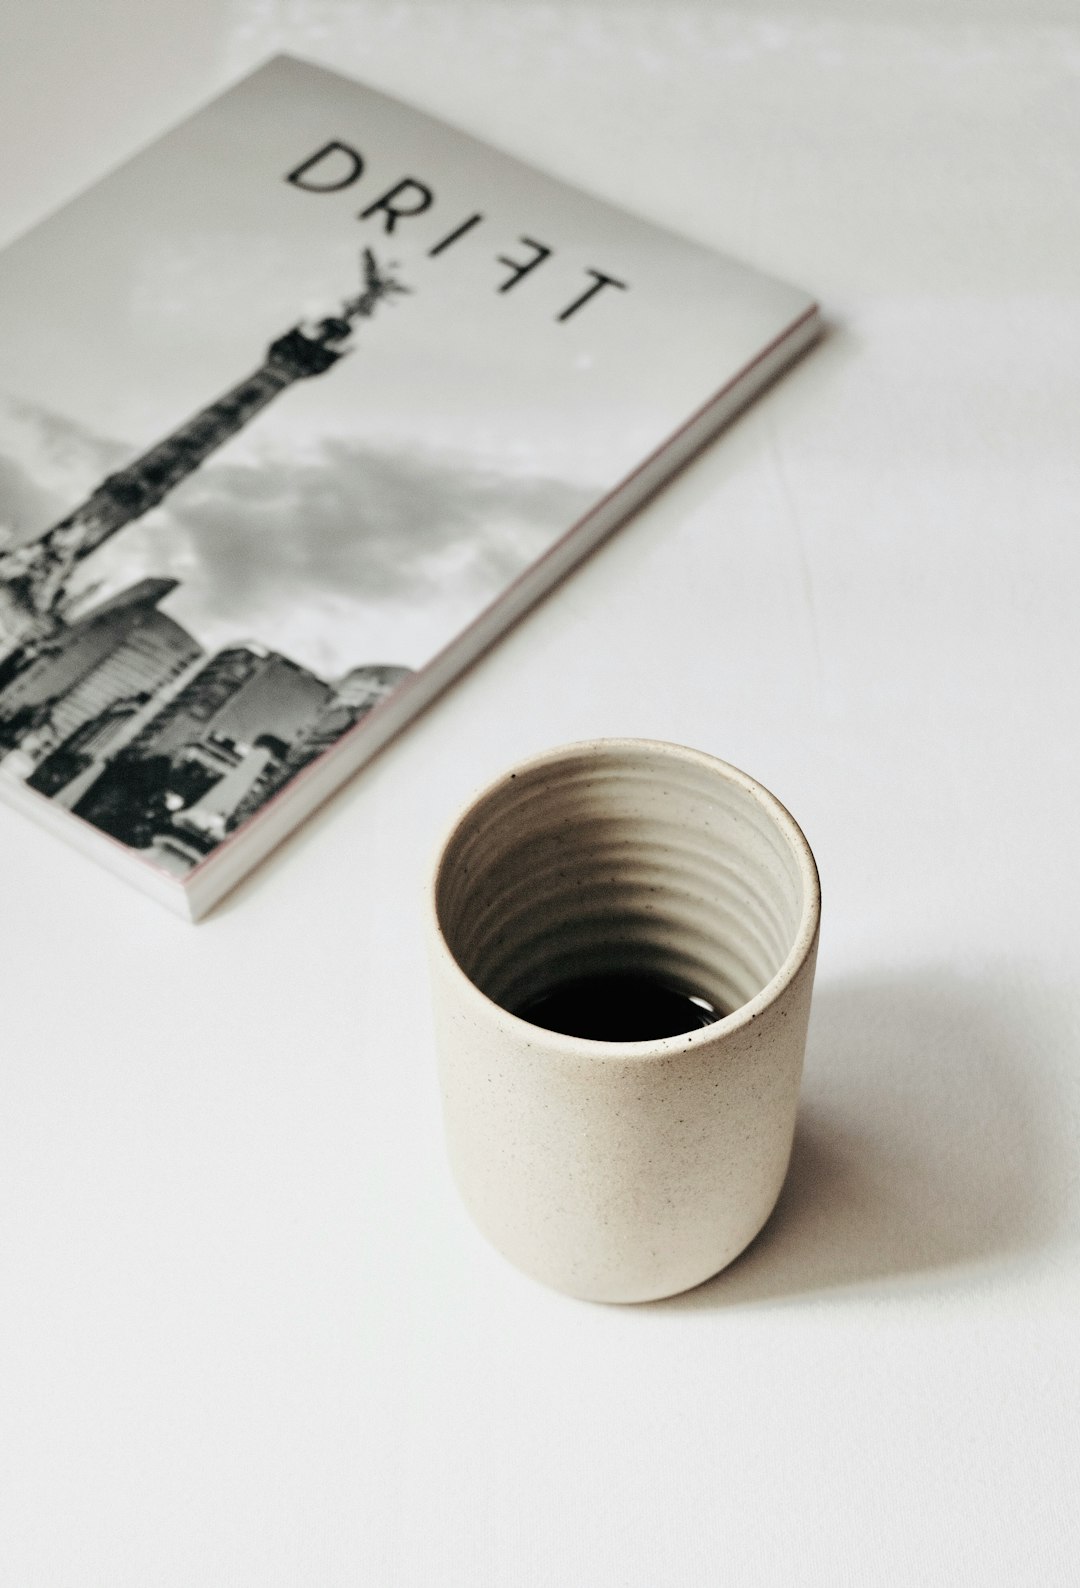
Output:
x=623 y=1171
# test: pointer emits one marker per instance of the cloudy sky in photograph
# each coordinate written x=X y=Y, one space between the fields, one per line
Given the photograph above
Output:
x=338 y=553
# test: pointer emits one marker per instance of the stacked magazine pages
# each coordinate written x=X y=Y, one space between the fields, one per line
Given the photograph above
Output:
x=299 y=409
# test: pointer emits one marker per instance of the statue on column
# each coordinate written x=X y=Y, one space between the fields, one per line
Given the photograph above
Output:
x=34 y=577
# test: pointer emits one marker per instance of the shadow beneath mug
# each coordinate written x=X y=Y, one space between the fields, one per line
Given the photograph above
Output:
x=927 y=1141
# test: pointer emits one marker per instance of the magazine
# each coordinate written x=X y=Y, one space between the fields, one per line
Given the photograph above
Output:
x=299 y=409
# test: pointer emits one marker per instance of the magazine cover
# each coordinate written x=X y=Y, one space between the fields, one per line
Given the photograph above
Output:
x=286 y=402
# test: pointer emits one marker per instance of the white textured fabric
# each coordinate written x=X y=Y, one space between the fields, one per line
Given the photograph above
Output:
x=247 y=1337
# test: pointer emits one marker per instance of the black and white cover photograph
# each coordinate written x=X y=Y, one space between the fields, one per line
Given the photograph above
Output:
x=286 y=403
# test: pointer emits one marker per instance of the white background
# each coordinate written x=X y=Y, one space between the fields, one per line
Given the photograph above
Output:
x=247 y=1337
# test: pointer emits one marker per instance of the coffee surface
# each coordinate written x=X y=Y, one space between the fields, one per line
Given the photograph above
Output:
x=618 y=1008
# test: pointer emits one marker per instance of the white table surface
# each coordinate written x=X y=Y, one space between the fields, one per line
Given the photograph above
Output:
x=247 y=1335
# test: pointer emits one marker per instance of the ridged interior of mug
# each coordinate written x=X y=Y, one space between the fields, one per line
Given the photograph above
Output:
x=628 y=857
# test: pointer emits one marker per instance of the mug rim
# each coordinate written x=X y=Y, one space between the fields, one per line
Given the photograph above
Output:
x=559 y=1042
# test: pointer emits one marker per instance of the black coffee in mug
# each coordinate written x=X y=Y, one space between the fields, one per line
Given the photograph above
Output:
x=621 y=1007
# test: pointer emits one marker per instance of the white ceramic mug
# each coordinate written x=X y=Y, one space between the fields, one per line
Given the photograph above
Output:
x=623 y=1171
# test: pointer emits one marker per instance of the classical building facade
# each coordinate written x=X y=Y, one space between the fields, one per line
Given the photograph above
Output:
x=124 y=649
